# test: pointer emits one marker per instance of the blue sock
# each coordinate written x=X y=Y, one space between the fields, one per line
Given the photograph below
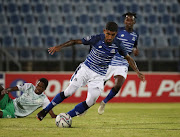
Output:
x=111 y=94
x=78 y=109
x=56 y=100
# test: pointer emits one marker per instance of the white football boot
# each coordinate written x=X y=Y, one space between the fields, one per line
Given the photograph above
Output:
x=101 y=108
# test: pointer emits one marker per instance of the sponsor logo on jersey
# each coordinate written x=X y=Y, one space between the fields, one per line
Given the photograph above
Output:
x=133 y=38
x=122 y=35
x=112 y=51
x=100 y=46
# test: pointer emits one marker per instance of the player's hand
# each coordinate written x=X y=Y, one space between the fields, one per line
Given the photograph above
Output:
x=141 y=76
x=4 y=91
x=52 y=50
x=135 y=52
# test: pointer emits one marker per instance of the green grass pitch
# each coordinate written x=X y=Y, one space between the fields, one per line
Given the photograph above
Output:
x=119 y=120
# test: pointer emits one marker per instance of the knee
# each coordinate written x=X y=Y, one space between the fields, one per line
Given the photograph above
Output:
x=117 y=88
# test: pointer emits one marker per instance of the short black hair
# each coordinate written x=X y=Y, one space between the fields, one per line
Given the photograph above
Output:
x=130 y=14
x=112 y=26
x=45 y=81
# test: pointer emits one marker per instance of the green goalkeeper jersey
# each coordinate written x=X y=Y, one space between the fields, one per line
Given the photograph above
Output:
x=29 y=101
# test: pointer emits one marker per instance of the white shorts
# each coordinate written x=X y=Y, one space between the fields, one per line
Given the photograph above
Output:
x=84 y=75
x=116 y=70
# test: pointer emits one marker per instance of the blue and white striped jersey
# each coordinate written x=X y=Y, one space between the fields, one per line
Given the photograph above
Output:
x=101 y=54
x=130 y=40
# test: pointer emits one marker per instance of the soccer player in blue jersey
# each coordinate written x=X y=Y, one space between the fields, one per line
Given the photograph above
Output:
x=119 y=66
x=93 y=70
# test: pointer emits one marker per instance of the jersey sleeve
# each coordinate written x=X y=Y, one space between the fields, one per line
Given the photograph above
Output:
x=136 y=42
x=24 y=87
x=122 y=50
x=45 y=103
x=90 y=40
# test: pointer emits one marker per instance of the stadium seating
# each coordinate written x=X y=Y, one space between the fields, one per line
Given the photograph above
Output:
x=43 y=23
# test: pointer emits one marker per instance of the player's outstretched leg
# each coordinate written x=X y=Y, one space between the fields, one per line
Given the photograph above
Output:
x=56 y=100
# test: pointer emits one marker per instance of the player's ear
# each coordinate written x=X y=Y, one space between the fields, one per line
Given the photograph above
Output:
x=104 y=30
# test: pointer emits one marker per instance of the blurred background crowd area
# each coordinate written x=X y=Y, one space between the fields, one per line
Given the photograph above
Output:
x=29 y=27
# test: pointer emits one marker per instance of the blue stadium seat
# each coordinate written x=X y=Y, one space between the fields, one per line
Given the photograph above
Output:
x=134 y=7
x=99 y=29
x=93 y=8
x=107 y=8
x=26 y=8
x=152 y=19
x=174 y=8
x=110 y=17
x=7 y=41
x=5 y=30
x=25 y=54
x=143 y=30
x=97 y=19
x=81 y=53
x=40 y=55
x=174 y=41
x=46 y=30
x=21 y=41
x=67 y=53
x=165 y=53
x=60 y=30
x=52 y=8
x=161 y=8
x=3 y=19
x=80 y=10
x=87 y=30
x=50 y=41
x=42 y=19
x=32 y=29
x=170 y=30
x=161 y=41
x=36 y=41
x=120 y=8
x=156 y=30
x=15 y=19
x=83 y=19
x=28 y=19
x=70 y=19
x=67 y=8
x=12 y=8
x=165 y=19
x=56 y=19
x=148 y=8
x=74 y=30
x=18 y=30
x=1 y=8
x=148 y=41
x=177 y=54
x=39 y=8
x=140 y=19
x=54 y=57
x=178 y=18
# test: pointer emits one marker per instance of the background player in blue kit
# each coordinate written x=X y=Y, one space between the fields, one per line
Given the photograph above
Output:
x=93 y=70
x=119 y=66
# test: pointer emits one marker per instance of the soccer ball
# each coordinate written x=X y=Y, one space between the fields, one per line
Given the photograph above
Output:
x=63 y=120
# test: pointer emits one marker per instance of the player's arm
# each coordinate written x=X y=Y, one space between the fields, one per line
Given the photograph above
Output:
x=135 y=49
x=133 y=65
x=54 y=49
x=6 y=91
x=52 y=114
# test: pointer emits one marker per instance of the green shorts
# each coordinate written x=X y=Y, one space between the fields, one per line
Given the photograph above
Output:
x=7 y=107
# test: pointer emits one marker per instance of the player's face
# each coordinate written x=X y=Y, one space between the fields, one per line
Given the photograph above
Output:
x=129 y=21
x=39 y=88
x=109 y=36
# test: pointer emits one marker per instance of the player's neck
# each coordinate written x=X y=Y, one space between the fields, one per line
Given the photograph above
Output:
x=129 y=29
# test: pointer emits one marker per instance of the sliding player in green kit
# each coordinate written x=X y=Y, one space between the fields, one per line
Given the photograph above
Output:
x=31 y=99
